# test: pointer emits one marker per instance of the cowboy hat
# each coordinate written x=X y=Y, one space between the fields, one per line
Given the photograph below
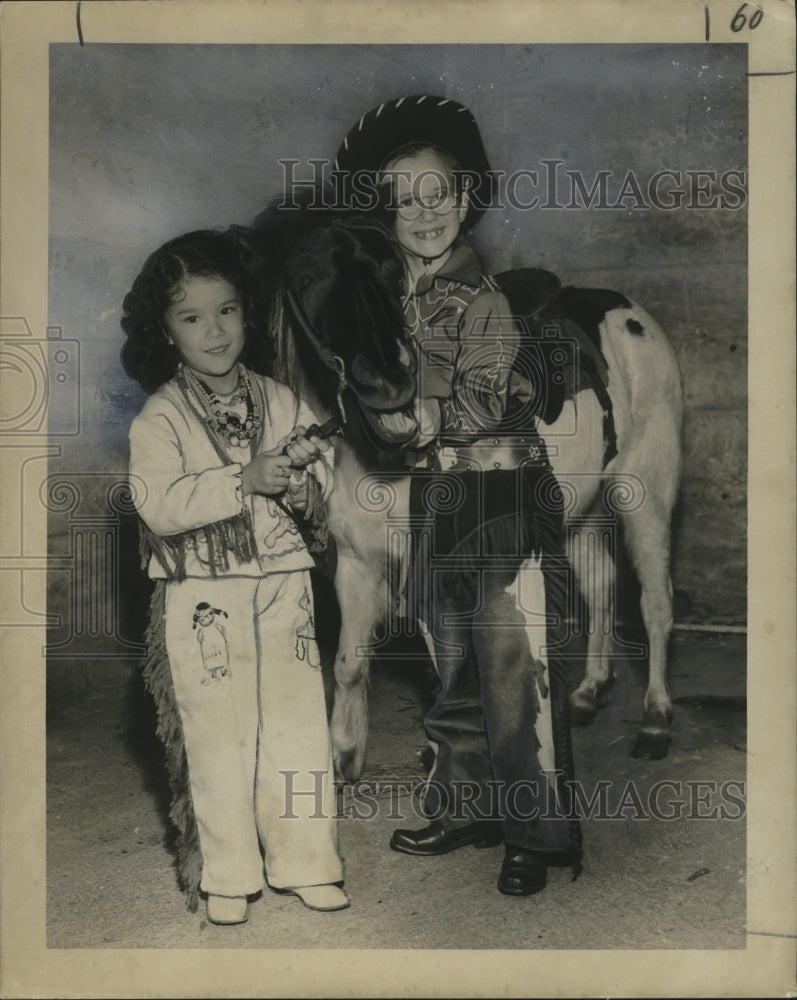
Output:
x=426 y=119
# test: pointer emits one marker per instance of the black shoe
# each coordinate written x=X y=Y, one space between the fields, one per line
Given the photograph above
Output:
x=435 y=839
x=523 y=872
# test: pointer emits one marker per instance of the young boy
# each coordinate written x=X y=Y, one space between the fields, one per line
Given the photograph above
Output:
x=497 y=723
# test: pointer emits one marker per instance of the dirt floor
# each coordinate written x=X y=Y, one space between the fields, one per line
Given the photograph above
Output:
x=649 y=882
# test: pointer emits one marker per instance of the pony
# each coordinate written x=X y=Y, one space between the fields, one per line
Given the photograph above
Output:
x=330 y=283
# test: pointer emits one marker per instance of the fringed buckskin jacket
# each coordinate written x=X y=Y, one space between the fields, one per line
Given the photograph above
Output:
x=196 y=521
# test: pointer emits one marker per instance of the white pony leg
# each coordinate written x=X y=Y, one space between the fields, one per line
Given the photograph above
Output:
x=575 y=445
x=647 y=532
x=648 y=428
x=362 y=593
x=594 y=570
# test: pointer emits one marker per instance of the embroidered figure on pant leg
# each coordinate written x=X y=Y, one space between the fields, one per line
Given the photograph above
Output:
x=284 y=536
x=212 y=638
x=306 y=648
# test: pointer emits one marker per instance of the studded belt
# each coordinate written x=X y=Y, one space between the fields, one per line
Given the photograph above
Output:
x=495 y=453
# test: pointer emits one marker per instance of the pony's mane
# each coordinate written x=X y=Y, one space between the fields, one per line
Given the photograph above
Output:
x=357 y=257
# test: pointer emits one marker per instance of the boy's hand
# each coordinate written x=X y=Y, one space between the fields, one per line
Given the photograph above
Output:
x=301 y=450
x=266 y=474
x=427 y=413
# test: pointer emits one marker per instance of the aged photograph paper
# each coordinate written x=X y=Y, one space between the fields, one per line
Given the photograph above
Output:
x=529 y=273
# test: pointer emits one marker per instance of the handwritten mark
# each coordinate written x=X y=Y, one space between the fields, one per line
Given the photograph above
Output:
x=740 y=20
x=79 y=28
x=698 y=874
x=708 y=23
x=781 y=72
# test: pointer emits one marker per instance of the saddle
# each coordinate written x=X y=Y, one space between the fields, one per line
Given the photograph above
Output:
x=560 y=353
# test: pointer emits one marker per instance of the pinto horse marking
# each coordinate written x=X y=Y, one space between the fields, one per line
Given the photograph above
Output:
x=345 y=278
x=641 y=483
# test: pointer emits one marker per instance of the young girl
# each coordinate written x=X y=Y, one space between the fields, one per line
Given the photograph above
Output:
x=220 y=470
x=494 y=570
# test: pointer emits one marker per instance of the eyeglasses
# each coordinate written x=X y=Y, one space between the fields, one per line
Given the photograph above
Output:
x=410 y=207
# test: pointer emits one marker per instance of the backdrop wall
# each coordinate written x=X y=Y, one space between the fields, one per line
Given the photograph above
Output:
x=148 y=141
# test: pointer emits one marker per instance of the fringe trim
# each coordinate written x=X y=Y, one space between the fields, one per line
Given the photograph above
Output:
x=158 y=680
x=511 y=538
x=311 y=522
x=234 y=535
x=315 y=527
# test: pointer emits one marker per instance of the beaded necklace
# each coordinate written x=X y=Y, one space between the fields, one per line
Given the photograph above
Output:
x=234 y=430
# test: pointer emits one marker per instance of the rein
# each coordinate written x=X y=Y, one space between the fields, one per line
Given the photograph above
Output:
x=330 y=360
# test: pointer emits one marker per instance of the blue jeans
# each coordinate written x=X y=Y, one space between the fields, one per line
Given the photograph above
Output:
x=493 y=598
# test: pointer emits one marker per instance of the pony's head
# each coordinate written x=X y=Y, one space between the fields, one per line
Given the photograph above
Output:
x=338 y=323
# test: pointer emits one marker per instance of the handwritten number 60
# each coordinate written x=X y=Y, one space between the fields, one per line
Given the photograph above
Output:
x=739 y=20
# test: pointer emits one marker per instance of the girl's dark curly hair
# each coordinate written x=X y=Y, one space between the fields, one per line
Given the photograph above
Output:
x=147 y=355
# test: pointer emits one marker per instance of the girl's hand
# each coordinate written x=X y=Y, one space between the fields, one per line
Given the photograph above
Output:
x=266 y=474
x=301 y=450
x=297 y=493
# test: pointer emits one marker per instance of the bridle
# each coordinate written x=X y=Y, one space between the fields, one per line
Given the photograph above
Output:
x=334 y=362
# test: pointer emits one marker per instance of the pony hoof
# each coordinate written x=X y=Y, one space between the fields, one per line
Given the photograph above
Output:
x=426 y=759
x=348 y=766
x=582 y=710
x=651 y=745
x=604 y=690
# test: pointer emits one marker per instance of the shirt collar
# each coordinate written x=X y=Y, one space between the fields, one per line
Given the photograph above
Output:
x=463 y=266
